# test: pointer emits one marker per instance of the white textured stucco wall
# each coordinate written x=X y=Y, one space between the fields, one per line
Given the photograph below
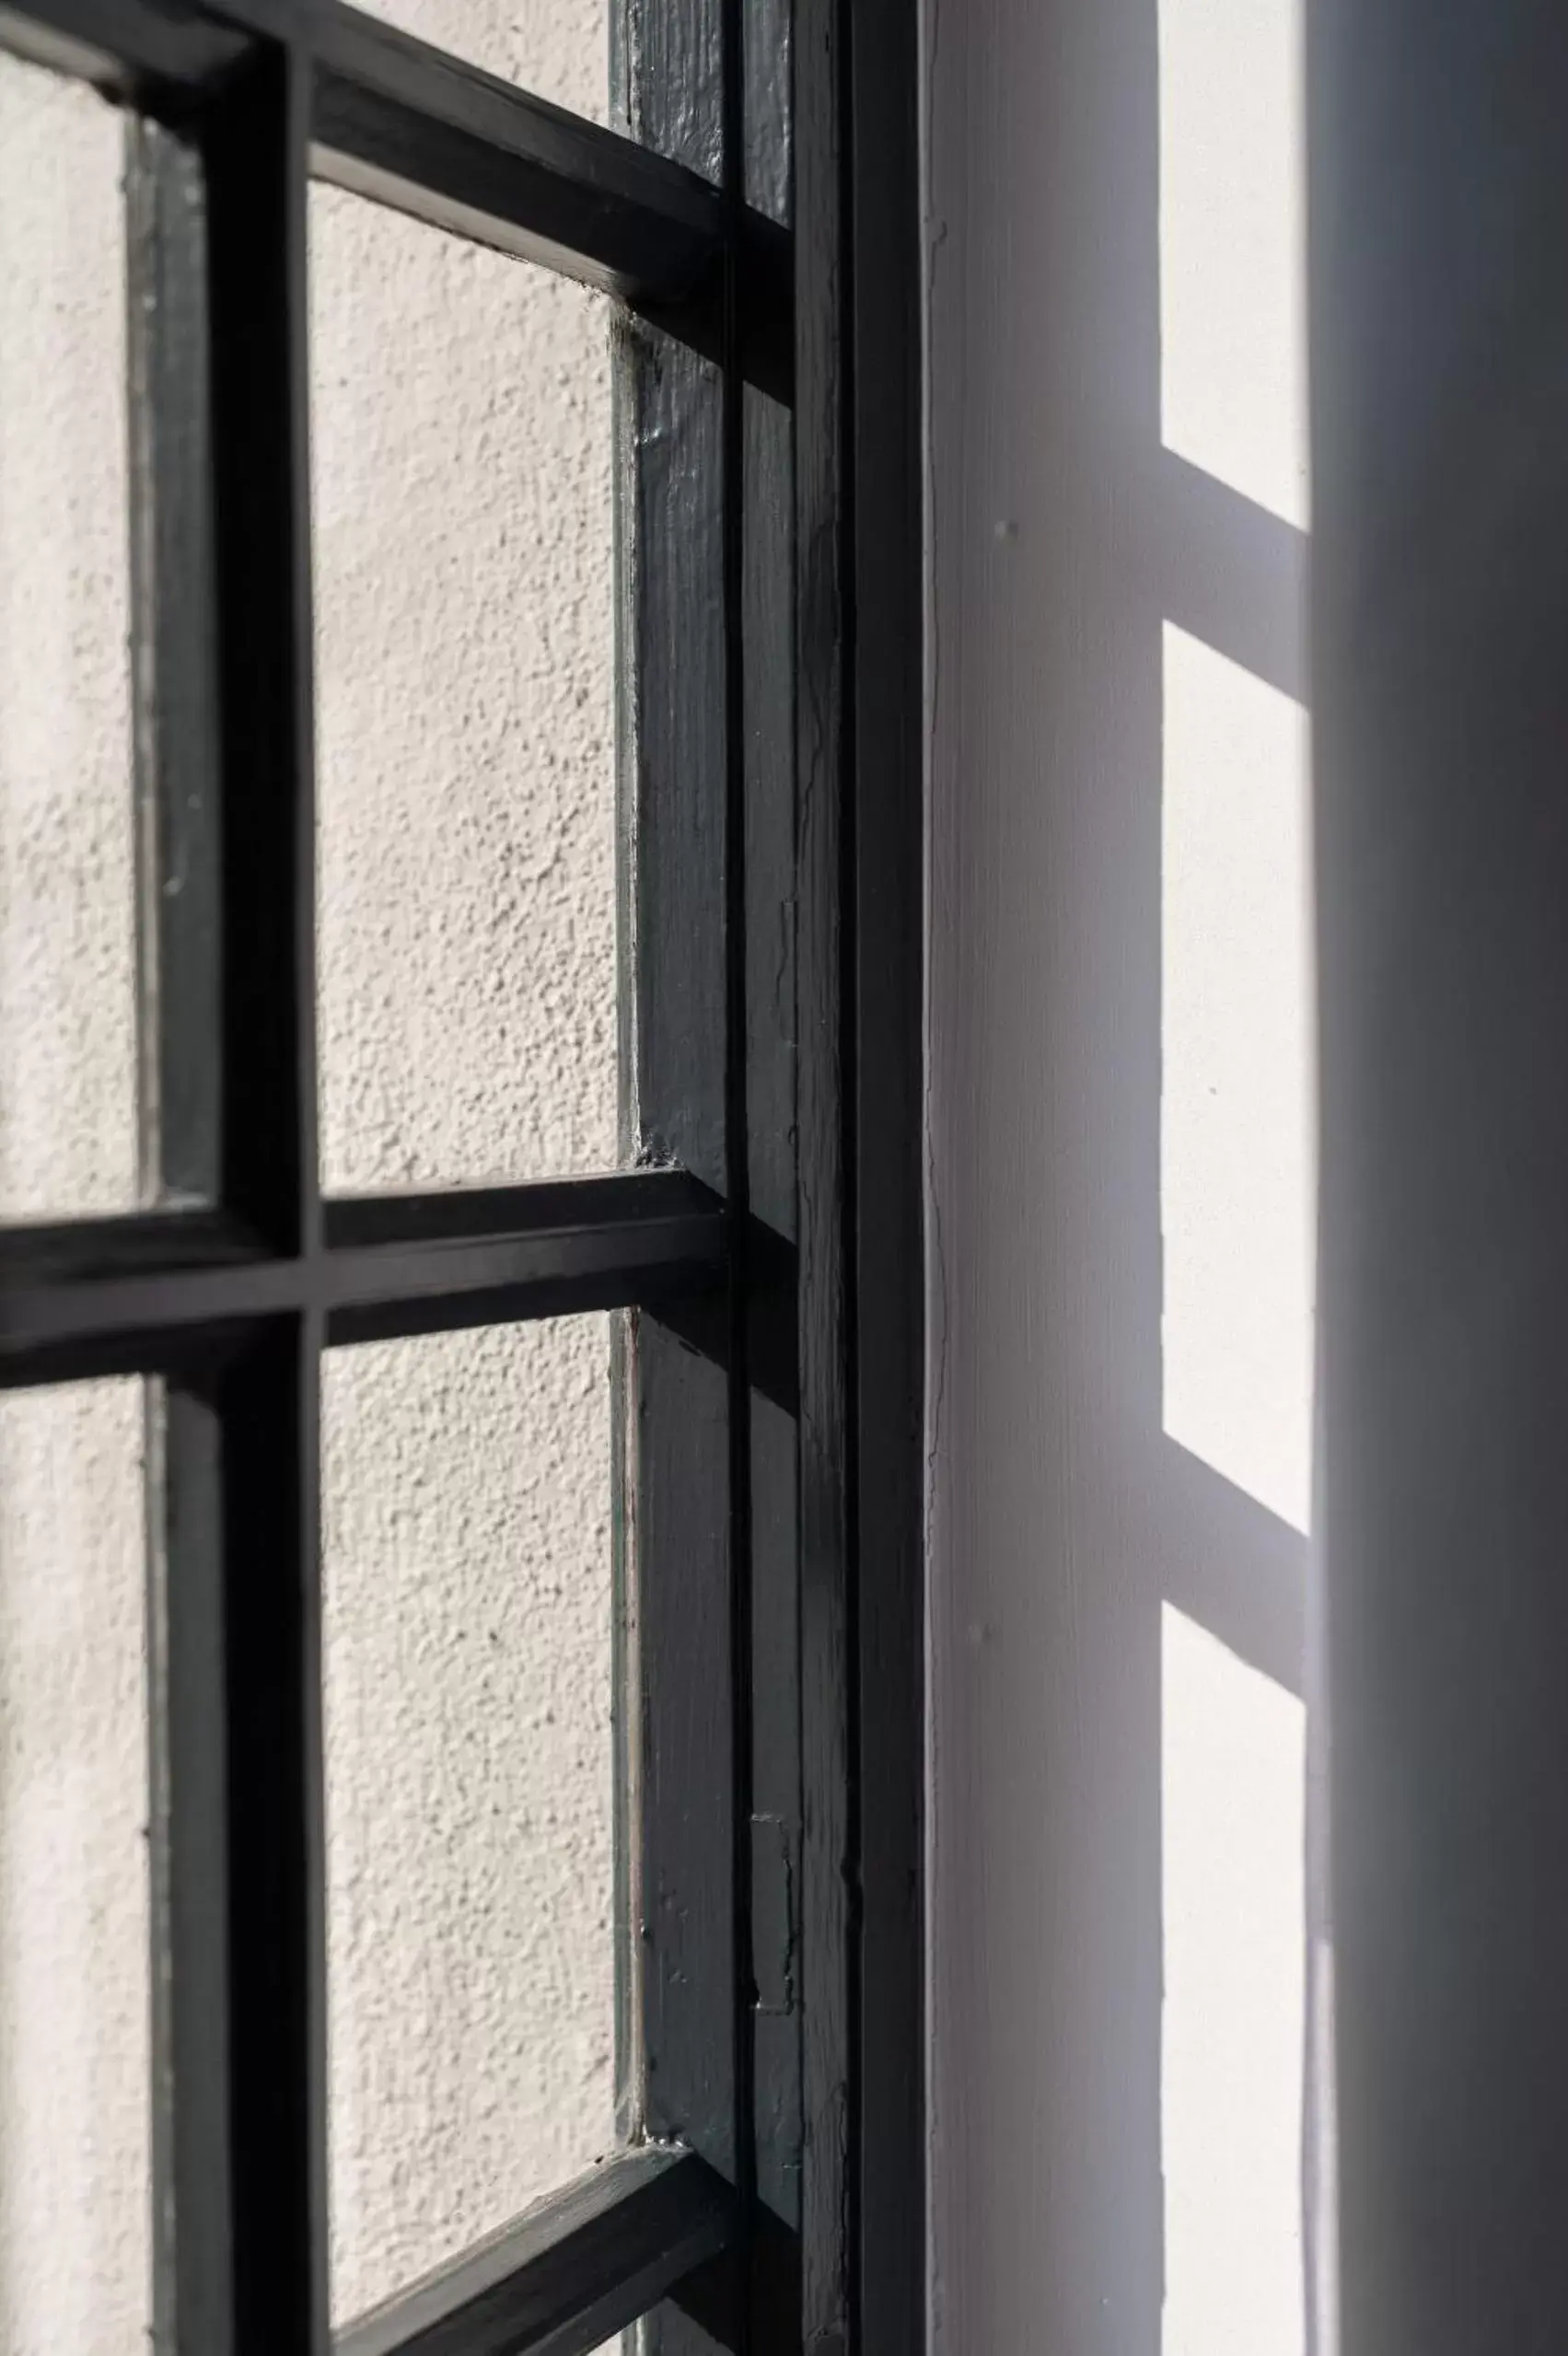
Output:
x=73 y=1982
x=73 y=1979
x=558 y=49
x=461 y=450
x=67 y=1052
x=467 y=1545
x=461 y=464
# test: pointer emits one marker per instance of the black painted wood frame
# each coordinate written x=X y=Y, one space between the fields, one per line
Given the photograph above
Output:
x=760 y=227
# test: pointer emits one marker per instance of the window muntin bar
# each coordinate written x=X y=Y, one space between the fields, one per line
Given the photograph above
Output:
x=581 y=2264
x=102 y=1296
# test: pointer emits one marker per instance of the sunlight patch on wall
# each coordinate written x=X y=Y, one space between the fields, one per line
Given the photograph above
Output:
x=1237 y=1125
x=1233 y=1892
x=1233 y=327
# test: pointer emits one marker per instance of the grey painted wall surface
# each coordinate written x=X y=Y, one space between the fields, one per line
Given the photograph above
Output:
x=462 y=467
x=1120 y=1178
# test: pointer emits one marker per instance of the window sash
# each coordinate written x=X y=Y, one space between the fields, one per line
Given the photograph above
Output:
x=744 y=1741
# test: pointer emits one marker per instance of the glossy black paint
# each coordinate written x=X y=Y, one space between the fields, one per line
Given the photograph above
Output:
x=578 y=2266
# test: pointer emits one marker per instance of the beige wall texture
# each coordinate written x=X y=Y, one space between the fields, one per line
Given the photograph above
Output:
x=461 y=484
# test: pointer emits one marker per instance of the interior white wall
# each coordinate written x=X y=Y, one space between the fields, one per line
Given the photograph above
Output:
x=468 y=967
x=1120 y=1177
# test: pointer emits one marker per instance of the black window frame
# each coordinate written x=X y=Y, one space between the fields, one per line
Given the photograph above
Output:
x=769 y=1246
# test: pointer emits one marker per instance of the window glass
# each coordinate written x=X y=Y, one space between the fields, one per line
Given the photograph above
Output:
x=75 y=2206
x=67 y=972
x=466 y=778
x=557 y=49
x=468 y=1640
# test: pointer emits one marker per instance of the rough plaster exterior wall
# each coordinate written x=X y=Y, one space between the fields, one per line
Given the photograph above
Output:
x=461 y=451
x=73 y=1982
x=468 y=1618
x=558 y=49
x=463 y=566
x=67 y=1054
x=461 y=456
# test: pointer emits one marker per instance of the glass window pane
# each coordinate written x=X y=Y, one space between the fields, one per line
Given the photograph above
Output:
x=464 y=687
x=557 y=49
x=468 y=1664
x=76 y=2208
x=67 y=1009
